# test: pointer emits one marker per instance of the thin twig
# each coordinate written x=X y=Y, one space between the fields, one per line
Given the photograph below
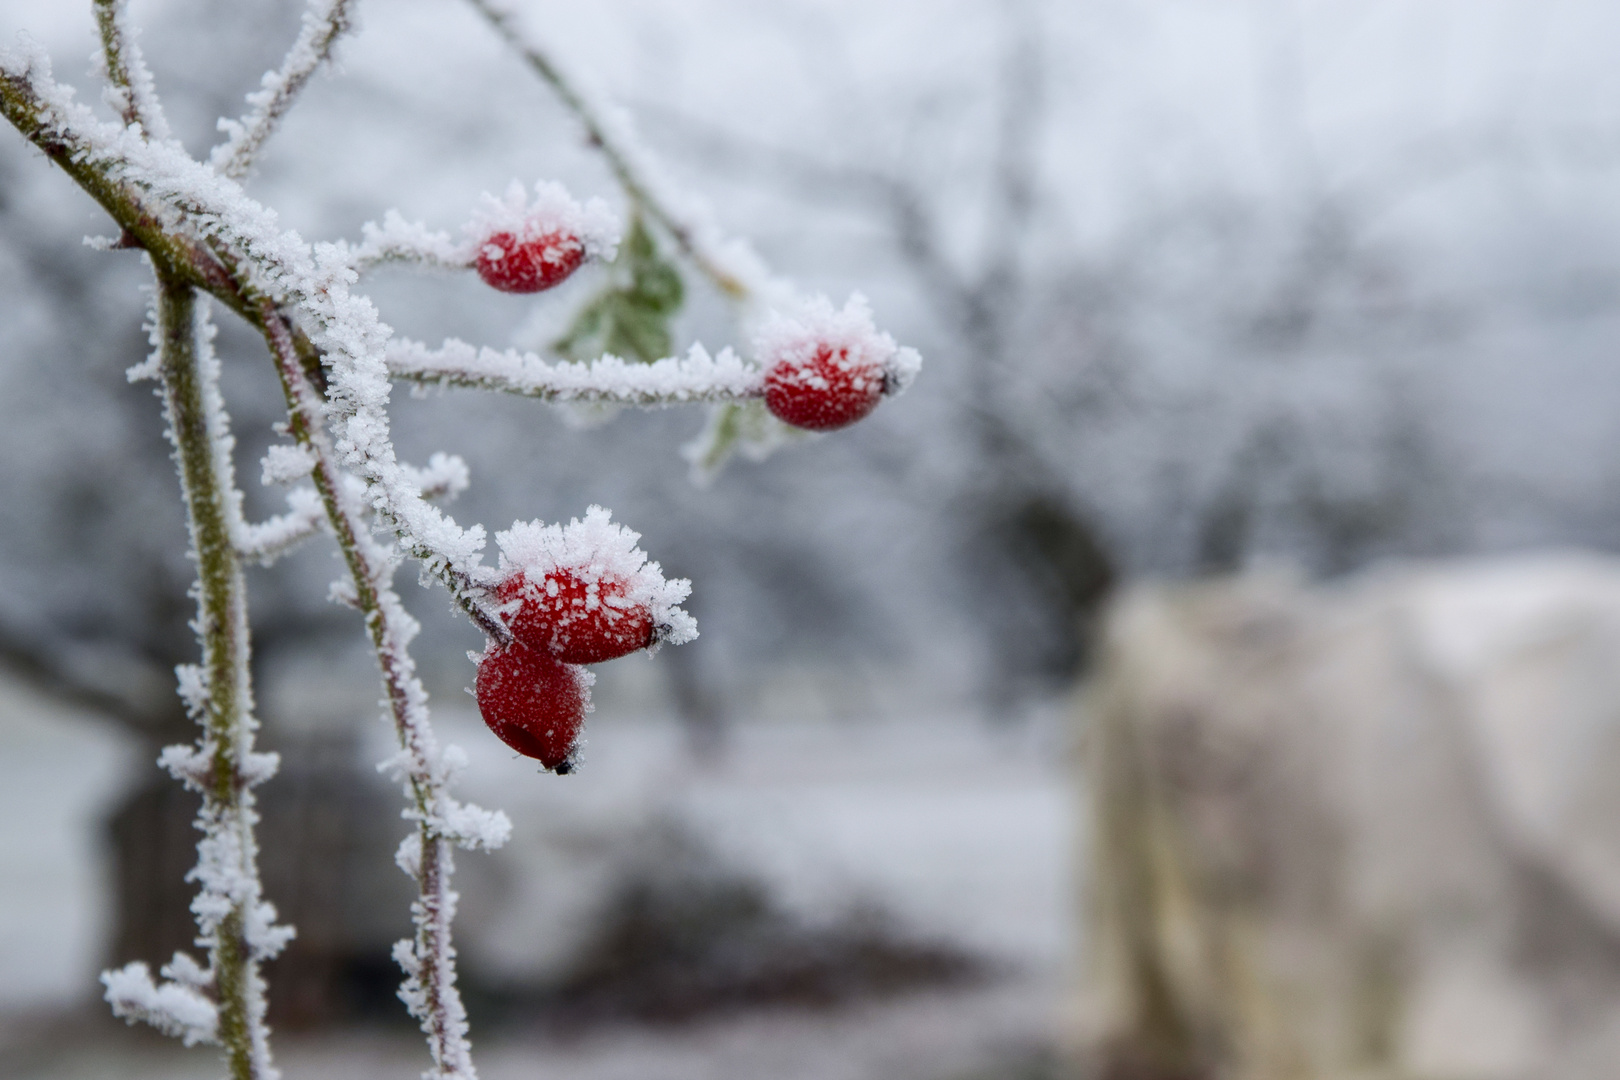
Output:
x=324 y=23
x=696 y=378
x=129 y=83
x=429 y=961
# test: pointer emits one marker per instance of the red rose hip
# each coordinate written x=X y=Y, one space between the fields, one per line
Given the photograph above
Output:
x=576 y=618
x=829 y=390
x=825 y=368
x=515 y=265
x=533 y=702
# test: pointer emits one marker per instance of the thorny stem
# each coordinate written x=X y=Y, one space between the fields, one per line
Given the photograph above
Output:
x=619 y=157
x=222 y=628
x=370 y=569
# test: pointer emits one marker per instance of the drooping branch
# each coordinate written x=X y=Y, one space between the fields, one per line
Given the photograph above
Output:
x=696 y=378
x=324 y=22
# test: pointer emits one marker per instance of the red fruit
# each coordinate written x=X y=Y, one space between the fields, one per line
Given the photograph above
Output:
x=577 y=620
x=533 y=703
x=528 y=266
x=828 y=391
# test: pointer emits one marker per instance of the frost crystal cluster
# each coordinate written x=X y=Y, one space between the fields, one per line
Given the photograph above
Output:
x=561 y=595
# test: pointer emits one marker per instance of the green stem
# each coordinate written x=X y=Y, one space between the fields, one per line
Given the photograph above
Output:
x=222 y=629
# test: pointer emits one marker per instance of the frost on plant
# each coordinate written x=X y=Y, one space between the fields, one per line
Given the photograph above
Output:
x=560 y=596
x=611 y=570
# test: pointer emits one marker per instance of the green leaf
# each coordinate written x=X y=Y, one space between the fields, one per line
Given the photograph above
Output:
x=630 y=316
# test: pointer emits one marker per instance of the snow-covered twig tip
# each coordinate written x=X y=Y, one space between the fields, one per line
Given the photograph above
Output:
x=174 y=1008
x=324 y=22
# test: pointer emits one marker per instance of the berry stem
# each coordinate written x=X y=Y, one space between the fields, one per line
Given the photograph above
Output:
x=694 y=379
x=626 y=160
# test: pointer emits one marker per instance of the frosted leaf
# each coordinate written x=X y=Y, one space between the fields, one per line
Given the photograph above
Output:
x=746 y=428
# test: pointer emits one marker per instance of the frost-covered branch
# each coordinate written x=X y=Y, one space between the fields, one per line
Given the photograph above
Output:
x=324 y=22
x=130 y=91
x=411 y=242
x=733 y=268
x=335 y=361
x=234 y=921
x=280 y=270
x=176 y=1007
x=70 y=135
x=608 y=381
x=269 y=540
x=444 y=476
x=428 y=960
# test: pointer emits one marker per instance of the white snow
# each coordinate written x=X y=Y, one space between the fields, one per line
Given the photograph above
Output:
x=698 y=377
x=171 y=1007
x=597 y=549
x=793 y=340
x=553 y=213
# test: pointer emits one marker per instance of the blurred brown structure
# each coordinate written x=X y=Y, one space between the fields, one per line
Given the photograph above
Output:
x=1365 y=830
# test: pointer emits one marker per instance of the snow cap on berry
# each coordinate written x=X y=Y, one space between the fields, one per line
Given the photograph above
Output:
x=597 y=549
x=798 y=338
x=553 y=212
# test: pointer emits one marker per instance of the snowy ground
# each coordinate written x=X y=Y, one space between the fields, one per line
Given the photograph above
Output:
x=963 y=833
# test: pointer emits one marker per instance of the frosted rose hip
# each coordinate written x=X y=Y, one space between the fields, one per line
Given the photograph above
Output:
x=577 y=619
x=829 y=390
x=528 y=266
x=533 y=702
